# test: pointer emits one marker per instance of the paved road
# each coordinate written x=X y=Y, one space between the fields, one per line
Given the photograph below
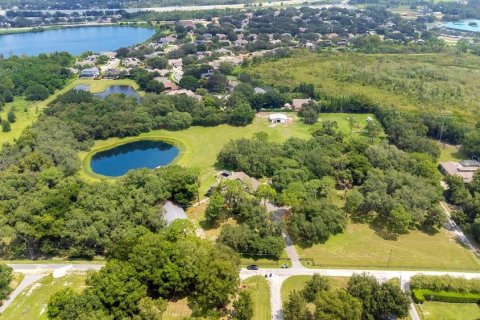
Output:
x=28 y=280
x=34 y=272
x=343 y=4
x=279 y=275
x=452 y=226
x=38 y=268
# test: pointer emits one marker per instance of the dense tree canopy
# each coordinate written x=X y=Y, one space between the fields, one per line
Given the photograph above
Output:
x=138 y=277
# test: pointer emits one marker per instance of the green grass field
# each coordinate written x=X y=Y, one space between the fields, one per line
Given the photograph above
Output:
x=26 y=113
x=177 y=310
x=260 y=292
x=450 y=153
x=32 y=302
x=200 y=145
x=297 y=283
x=437 y=83
x=360 y=247
x=431 y=310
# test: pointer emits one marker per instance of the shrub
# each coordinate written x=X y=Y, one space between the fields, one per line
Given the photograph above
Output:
x=445 y=283
x=422 y=295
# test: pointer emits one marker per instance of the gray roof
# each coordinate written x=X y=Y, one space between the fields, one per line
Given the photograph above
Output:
x=173 y=212
x=470 y=163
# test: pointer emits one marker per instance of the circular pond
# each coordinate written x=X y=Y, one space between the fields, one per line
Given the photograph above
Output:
x=119 y=160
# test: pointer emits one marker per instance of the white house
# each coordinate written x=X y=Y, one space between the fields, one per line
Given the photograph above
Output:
x=277 y=118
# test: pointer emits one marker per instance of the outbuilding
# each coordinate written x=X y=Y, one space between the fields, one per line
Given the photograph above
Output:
x=277 y=118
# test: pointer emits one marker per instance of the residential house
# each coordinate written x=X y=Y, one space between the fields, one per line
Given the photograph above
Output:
x=297 y=104
x=131 y=62
x=207 y=36
x=249 y=182
x=464 y=169
x=175 y=63
x=90 y=73
x=186 y=92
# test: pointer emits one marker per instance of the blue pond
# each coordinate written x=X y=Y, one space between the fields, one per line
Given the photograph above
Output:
x=115 y=89
x=119 y=160
x=73 y=40
x=464 y=25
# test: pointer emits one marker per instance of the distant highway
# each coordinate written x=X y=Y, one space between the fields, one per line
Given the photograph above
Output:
x=342 y=4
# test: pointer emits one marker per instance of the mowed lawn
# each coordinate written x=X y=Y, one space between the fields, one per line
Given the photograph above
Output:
x=27 y=112
x=432 y=310
x=200 y=145
x=360 y=247
x=297 y=283
x=32 y=302
x=260 y=292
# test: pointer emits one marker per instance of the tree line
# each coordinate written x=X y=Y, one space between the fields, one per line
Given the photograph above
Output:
x=363 y=298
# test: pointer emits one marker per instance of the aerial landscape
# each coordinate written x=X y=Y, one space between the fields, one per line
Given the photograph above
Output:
x=240 y=159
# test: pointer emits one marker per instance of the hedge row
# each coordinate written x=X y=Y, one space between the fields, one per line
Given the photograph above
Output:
x=422 y=295
x=445 y=283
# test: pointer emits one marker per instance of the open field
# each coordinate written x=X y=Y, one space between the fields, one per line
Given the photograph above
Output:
x=260 y=292
x=360 y=247
x=27 y=112
x=177 y=310
x=200 y=145
x=437 y=83
x=450 y=153
x=298 y=283
x=32 y=302
x=432 y=310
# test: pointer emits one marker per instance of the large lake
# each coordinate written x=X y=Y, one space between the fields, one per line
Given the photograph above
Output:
x=119 y=160
x=464 y=25
x=74 y=40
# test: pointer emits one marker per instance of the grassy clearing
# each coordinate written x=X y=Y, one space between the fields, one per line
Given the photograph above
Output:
x=297 y=283
x=177 y=310
x=450 y=153
x=360 y=247
x=200 y=145
x=390 y=80
x=258 y=288
x=431 y=310
x=26 y=113
x=32 y=302
x=267 y=263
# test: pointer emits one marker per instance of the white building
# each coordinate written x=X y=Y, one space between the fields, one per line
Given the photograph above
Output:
x=277 y=118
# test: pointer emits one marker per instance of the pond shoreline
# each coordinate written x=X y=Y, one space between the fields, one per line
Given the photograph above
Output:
x=74 y=39
x=87 y=158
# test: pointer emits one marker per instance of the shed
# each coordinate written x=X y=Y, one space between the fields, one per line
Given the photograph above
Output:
x=277 y=118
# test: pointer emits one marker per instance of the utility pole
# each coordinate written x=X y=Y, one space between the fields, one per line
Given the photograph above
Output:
x=441 y=129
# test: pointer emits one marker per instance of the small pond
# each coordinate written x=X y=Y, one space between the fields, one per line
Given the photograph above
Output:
x=119 y=160
x=115 y=89
x=464 y=25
